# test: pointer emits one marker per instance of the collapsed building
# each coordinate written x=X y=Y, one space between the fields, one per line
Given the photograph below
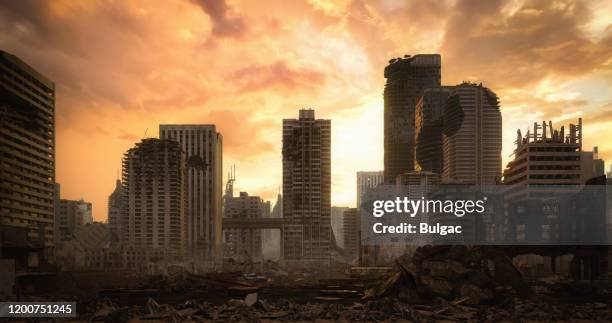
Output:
x=154 y=177
x=556 y=196
x=548 y=157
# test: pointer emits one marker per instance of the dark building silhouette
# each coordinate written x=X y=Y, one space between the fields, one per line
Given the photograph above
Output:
x=154 y=179
x=71 y=214
x=306 y=187
x=27 y=145
x=406 y=79
x=428 y=124
x=116 y=222
x=472 y=136
x=599 y=166
x=351 y=234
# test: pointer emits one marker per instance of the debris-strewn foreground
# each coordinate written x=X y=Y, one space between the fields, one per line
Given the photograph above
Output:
x=374 y=310
x=435 y=284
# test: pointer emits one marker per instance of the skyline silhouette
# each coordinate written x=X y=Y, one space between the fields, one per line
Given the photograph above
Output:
x=245 y=68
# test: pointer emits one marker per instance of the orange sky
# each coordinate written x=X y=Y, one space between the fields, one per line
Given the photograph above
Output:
x=123 y=67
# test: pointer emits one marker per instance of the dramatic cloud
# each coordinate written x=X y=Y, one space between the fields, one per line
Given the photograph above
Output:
x=519 y=48
x=254 y=78
x=225 y=23
x=123 y=67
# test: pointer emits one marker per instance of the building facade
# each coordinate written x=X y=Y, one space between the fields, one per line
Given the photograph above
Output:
x=367 y=181
x=352 y=235
x=306 y=187
x=71 y=254
x=406 y=79
x=203 y=147
x=244 y=243
x=71 y=215
x=472 y=138
x=155 y=193
x=27 y=150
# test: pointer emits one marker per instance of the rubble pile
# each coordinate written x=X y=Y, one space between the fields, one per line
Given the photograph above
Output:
x=253 y=309
x=452 y=273
x=223 y=281
x=436 y=283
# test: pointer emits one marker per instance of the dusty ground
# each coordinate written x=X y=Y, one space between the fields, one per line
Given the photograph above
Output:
x=230 y=297
x=434 y=285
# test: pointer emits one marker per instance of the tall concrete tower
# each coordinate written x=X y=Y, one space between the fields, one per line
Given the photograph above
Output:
x=203 y=147
x=154 y=178
x=406 y=79
x=306 y=187
x=27 y=170
x=472 y=136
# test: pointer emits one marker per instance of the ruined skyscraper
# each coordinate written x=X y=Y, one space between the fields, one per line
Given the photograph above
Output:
x=154 y=178
x=428 y=122
x=406 y=79
x=548 y=156
x=203 y=147
x=27 y=170
x=472 y=136
x=306 y=187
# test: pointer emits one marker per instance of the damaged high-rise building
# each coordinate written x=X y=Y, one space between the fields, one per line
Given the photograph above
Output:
x=155 y=197
x=548 y=156
x=203 y=147
x=27 y=145
x=429 y=111
x=472 y=136
x=306 y=187
x=406 y=79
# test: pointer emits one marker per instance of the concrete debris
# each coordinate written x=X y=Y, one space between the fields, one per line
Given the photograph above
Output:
x=382 y=309
x=436 y=284
x=250 y=299
x=451 y=272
